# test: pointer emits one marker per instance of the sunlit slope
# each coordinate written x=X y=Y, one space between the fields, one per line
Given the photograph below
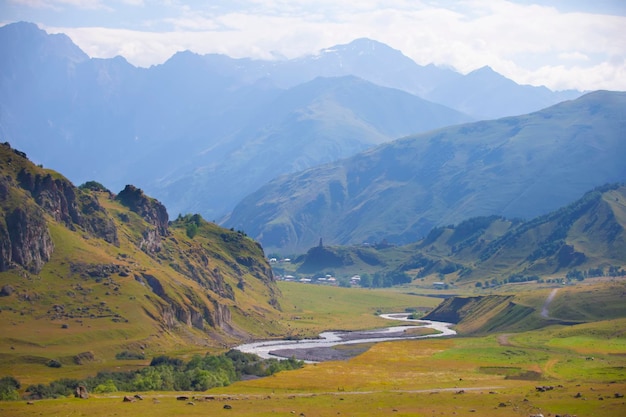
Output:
x=528 y=310
x=84 y=270
x=584 y=238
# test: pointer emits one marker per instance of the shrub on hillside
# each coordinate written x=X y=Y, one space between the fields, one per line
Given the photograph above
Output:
x=52 y=363
x=60 y=388
x=93 y=186
x=191 y=230
x=171 y=374
x=8 y=388
x=166 y=360
x=128 y=355
x=108 y=386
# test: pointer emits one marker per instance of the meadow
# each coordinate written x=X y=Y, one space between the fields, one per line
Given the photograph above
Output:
x=555 y=370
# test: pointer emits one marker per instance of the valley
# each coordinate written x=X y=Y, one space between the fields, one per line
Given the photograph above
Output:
x=347 y=233
x=97 y=283
x=556 y=369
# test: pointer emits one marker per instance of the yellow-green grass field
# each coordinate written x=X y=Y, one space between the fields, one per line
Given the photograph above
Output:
x=493 y=375
x=27 y=342
x=311 y=309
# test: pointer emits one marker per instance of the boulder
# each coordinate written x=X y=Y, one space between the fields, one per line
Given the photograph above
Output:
x=6 y=290
x=81 y=392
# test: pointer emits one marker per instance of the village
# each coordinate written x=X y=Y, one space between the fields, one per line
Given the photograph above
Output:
x=281 y=274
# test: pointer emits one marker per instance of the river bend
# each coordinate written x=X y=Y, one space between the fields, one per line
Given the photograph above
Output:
x=315 y=350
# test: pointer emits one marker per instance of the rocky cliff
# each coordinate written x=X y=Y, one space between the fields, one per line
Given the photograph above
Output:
x=27 y=195
x=25 y=239
x=84 y=254
x=148 y=208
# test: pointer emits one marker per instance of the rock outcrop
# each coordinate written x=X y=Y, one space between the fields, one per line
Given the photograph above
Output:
x=149 y=209
x=192 y=282
x=26 y=240
x=81 y=392
x=152 y=211
x=59 y=198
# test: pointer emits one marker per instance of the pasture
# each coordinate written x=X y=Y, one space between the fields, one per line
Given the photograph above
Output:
x=556 y=370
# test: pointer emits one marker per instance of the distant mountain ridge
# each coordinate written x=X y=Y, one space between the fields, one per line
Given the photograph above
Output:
x=586 y=238
x=307 y=125
x=189 y=131
x=589 y=233
x=482 y=94
x=516 y=167
x=485 y=94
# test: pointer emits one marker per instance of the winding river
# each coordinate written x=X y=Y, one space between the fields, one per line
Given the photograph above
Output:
x=315 y=350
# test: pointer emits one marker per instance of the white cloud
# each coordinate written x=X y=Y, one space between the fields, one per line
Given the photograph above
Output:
x=59 y=4
x=603 y=76
x=573 y=56
x=529 y=43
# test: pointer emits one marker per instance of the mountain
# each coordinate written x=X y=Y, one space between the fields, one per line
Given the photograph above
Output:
x=586 y=238
x=197 y=132
x=515 y=167
x=587 y=234
x=485 y=94
x=313 y=123
x=364 y=58
x=482 y=94
x=82 y=267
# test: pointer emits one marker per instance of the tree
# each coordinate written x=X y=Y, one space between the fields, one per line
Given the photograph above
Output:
x=191 y=230
x=108 y=386
x=93 y=186
x=366 y=281
x=8 y=388
x=344 y=282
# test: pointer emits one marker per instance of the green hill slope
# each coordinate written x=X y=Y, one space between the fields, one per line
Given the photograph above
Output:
x=517 y=167
x=527 y=310
x=84 y=270
x=584 y=238
x=586 y=235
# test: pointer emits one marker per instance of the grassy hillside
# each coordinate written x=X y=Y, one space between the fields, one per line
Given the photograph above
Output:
x=87 y=275
x=516 y=167
x=92 y=280
x=584 y=239
x=524 y=309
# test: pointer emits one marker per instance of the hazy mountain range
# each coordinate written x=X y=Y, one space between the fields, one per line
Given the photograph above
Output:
x=202 y=132
x=521 y=166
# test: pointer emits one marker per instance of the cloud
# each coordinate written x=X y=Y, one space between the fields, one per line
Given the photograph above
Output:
x=603 y=76
x=60 y=4
x=573 y=56
x=529 y=43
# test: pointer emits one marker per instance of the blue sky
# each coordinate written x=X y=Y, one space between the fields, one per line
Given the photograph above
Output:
x=561 y=43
